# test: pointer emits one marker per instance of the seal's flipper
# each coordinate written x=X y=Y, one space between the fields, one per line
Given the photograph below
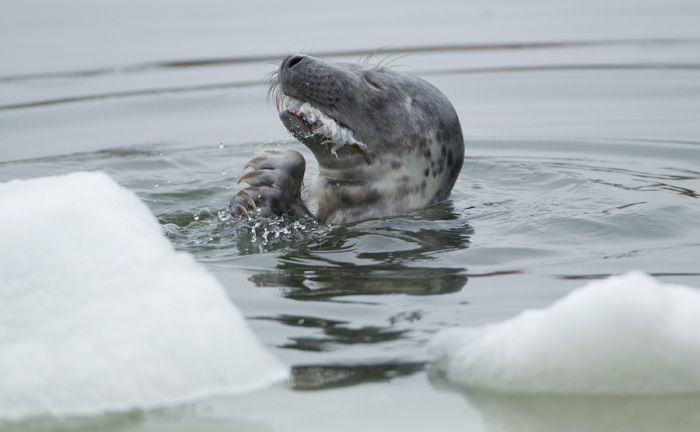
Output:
x=274 y=185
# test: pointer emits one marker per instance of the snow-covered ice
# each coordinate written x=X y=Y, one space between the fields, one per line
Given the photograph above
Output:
x=99 y=313
x=627 y=335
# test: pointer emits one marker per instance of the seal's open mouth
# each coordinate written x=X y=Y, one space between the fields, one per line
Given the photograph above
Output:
x=318 y=123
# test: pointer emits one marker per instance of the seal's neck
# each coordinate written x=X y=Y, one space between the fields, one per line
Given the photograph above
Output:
x=353 y=175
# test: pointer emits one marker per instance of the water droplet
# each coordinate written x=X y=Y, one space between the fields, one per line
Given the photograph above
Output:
x=224 y=215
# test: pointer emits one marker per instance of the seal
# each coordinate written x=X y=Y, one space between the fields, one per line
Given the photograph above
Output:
x=386 y=143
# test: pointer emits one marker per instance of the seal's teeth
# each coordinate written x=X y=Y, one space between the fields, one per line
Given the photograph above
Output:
x=286 y=103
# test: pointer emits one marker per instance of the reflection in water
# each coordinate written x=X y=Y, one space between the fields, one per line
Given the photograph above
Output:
x=335 y=333
x=567 y=413
x=177 y=420
x=322 y=377
x=301 y=282
x=387 y=256
x=504 y=412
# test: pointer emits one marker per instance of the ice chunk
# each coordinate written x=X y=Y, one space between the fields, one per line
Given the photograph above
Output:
x=624 y=335
x=99 y=313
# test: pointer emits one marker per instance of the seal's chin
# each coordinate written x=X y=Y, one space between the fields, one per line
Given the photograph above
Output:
x=314 y=128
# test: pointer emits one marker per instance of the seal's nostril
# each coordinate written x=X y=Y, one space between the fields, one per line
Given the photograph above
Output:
x=294 y=61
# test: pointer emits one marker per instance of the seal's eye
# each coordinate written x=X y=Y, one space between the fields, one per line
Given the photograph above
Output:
x=372 y=82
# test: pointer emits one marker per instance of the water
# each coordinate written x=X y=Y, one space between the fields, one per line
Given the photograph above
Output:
x=582 y=161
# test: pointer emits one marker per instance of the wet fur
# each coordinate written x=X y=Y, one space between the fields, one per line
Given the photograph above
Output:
x=411 y=130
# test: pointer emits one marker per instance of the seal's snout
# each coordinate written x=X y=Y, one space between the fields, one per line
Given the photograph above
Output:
x=292 y=61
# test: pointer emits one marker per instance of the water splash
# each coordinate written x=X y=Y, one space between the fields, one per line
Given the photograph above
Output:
x=257 y=234
x=219 y=230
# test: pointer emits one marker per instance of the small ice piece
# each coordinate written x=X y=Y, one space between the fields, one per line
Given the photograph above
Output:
x=627 y=335
x=99 y=313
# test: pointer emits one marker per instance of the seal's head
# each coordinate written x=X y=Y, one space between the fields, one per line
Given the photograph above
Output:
x=386 y=142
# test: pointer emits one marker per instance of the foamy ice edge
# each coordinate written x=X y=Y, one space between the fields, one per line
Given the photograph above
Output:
x=324 y=125
x=99 y=255
x=624 y=335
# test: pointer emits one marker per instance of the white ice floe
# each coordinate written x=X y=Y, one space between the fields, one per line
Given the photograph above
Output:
x=624 y=335
x=99 y=313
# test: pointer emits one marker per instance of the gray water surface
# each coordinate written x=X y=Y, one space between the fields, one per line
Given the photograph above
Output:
x=582 y=161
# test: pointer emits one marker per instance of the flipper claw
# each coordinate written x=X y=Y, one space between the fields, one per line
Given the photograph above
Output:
x=274 y=185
